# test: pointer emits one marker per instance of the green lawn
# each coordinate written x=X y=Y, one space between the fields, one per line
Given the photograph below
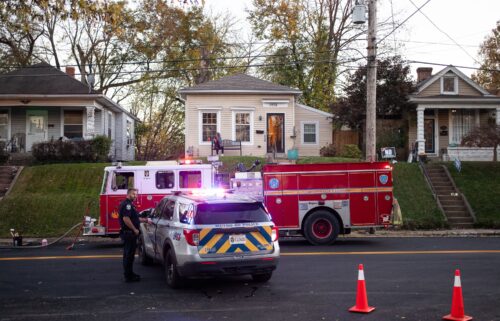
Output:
x=48 y=199
x=417 y=204
x=480 y=182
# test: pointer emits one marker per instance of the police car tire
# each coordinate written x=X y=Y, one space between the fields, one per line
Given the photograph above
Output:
x=327 y=217
x=174 y=280
x=262 y=277
x=145 y=259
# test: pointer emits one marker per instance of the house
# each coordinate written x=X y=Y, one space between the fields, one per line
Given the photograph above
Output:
x=40 y=103
x=449 y=105
x=264 y=116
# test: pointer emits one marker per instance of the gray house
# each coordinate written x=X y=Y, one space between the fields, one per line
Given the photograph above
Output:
x=40 y=103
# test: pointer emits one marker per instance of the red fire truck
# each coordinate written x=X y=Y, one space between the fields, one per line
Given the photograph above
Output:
x=319 y=201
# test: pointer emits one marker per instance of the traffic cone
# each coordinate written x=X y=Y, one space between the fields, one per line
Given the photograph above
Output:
x=457 y=303
x=361 y=298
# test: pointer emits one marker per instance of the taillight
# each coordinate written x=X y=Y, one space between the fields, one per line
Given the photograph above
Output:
x=192 y=237
x=275 y=233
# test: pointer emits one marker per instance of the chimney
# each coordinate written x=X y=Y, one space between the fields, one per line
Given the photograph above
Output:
x=71 y=71
x=423 y=73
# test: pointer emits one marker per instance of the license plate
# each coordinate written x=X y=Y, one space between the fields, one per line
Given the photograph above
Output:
x=238 y=239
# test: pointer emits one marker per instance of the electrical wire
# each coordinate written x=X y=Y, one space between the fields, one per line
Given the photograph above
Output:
x=41 y=246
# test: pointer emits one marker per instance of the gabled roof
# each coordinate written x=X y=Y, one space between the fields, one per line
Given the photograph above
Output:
x=426 y=83
x=239 y=83
x=45 y=81
x=315 y=110
x=41 y=79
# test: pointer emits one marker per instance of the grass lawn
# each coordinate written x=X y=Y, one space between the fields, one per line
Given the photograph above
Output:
x=480 y=182
x=418 y=207
x=48 y=199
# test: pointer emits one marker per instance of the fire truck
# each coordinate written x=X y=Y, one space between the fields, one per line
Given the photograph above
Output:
x=319 y=201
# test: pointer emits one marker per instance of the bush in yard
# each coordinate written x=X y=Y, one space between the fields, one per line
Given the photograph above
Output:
x=328 y=151
x=102 y=145
x=351 y=151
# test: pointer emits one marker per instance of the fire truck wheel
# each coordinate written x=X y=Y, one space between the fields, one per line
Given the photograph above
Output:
x=321 y=228
x=141 y=249
x=174 y=280
x=262 y=277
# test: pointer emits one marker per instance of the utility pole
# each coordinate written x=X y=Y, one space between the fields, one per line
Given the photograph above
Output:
x=371 y=84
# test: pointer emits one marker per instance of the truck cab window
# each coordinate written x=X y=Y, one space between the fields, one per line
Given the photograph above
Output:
x=190 y=179
x=165 y=180
x=123 y=180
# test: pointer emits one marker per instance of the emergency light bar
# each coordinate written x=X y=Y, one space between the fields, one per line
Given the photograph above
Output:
x=190 y=161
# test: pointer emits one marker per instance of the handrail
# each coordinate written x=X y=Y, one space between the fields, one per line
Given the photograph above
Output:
x=429 y=183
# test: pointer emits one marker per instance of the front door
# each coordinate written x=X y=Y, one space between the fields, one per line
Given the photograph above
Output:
x=429 y=129
x=36 y=127
x=275 y=133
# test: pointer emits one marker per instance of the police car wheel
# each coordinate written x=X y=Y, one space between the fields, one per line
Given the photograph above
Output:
x=321 y=228
x=141 y=248
x=174 y=280
x=262 y=277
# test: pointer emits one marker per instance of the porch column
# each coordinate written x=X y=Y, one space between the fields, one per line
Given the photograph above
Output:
x=498 y=116
x=90 y=122
x=420 y=130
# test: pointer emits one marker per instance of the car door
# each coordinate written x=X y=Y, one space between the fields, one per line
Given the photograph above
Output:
x=153 y=227
x=163 y=225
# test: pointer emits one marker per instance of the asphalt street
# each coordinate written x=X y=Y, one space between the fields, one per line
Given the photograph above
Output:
x=407 y=279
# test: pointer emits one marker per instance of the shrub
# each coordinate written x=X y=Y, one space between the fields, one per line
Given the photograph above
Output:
x=351 y=151
x=102 y=145
x=328 y=151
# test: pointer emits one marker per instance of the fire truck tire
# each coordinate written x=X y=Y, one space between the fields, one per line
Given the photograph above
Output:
x=174 y=280
x=262 y=277
x=321 y=228
x=141 y=249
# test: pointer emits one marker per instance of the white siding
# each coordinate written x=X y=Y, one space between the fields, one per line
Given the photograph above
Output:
x=324 y=131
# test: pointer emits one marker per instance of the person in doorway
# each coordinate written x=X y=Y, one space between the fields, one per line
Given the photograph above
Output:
x=218 y=145
x=130 y=224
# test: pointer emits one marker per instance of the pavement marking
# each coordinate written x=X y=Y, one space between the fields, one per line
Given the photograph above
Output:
x=116 y=256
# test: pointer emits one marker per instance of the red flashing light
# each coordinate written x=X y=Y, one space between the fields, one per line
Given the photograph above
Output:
x=267 y=259
x=192 y=237
x=275 y=234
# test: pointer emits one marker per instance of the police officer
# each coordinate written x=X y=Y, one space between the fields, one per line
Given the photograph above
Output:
x=129 y=222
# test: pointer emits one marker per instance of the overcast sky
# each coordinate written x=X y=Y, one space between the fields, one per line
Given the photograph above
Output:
x=466 y=22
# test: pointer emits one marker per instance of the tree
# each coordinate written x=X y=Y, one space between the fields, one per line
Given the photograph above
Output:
x=306 y=39
x=394 y=85
x=484 y=136
x=488 y=75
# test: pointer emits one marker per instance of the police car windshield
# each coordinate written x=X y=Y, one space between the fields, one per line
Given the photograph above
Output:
x=230 y=213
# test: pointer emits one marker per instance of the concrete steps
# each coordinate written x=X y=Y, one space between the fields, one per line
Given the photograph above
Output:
x=453 y=204
x=7 y=175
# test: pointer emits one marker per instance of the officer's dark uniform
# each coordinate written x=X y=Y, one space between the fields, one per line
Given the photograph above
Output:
x=127 y=209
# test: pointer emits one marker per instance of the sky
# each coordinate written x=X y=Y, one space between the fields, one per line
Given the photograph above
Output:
x=465 y=22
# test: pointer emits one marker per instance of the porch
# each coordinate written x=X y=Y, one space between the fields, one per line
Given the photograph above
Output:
x=437 y=131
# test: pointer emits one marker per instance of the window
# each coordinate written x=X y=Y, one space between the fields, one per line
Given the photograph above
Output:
x=168 y=211
x=73 y=123
x=449 y=85
x=228 y=213
x=208 y=126
x=165 y=180
x=123 y=180
x=110 y=119
x=4 y=125
x=462 y=122
x=310 y=132
x=130 y=140
x=186 y=213
x=190 y=179
x=242 y=126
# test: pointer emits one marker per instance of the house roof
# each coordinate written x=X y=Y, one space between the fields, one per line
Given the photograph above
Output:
x=426 y=83
x=45 y=81
x=239 y=83
x=315 y=110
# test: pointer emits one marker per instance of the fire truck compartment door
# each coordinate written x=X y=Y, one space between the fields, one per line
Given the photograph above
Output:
x=363 y=198
x=281 y=199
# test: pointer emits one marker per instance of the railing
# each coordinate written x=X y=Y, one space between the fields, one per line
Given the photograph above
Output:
x=462 y=195
x=15 y=144
x=422 y=167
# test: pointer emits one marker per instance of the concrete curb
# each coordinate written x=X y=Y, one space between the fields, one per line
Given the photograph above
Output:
x=354 y=234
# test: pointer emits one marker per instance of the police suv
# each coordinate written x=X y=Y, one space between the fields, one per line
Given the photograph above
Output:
x=208 y=233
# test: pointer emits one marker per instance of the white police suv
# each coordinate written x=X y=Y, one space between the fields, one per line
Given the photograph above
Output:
x=208 y=233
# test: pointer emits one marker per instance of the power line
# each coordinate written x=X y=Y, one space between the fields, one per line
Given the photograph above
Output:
x=443 y=32
x=399 y=25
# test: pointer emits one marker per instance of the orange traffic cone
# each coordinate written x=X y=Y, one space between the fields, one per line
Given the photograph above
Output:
x=457 y=303
x=361 y=298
